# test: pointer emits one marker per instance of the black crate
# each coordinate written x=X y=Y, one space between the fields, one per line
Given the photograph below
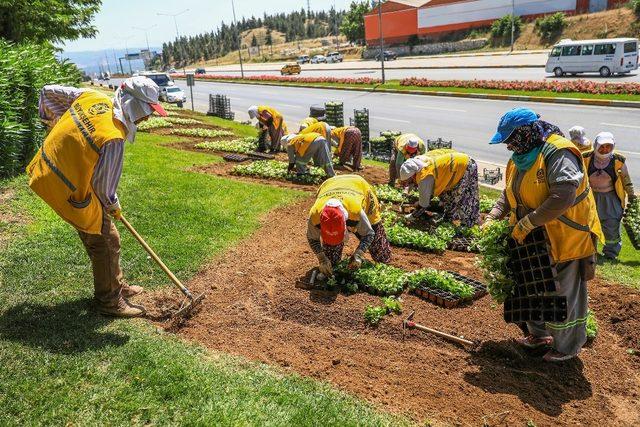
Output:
x=535 y=309
x=235 y=157
x=220 y=106
x=436 y=144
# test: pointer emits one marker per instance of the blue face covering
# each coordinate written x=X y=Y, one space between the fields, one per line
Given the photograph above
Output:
x=524 y=161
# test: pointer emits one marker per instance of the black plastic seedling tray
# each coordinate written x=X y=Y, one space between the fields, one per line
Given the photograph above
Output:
x=480 y=288
x=463 y=244
x=235 y=157
x=260 y=156
x=447 y=299
x=535 y=309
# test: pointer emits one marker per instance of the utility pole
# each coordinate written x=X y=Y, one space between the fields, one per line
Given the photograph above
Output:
x=381 y=38
x=175 y=22
x=146 y=35
x=115 y=59
x=126 y=48
x=235 y=22
x=513 y=22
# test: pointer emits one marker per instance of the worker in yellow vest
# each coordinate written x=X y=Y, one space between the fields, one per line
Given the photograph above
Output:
x=270 y=122
x=346 y=203
x=78 y=167
x=347 y=141
x=449 y=175
x=307 y=122
x=612 y=187
x=547 y=186
x=580 y=140
x=322 y=128
x=405 y=147
x=305 y=147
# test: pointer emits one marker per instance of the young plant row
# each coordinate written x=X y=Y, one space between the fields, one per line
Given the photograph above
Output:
x=242 y=145
x=631 y=222
x=202 y=133
x=441 y=280
x=273 y=169
x=154 y=123
x=183 y=121
x=374 y=314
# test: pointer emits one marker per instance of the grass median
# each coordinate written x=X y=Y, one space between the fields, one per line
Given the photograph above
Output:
x=63 y=364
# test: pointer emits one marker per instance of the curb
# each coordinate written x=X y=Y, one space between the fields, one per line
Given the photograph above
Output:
x=497 y=97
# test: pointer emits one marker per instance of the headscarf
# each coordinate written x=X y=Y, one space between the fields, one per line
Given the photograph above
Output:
x=577 y=134
x=410 y=167
x=136 y=98
x=601 y=161
x=253 y=111
x=527 y=142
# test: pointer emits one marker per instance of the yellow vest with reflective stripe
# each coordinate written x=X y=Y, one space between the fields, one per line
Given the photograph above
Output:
x=319 y=127
x=618 y=184
x=354 y=192
x=402 y=141
x=339 y=133
x=302 y=141
x=61 y=171
x=446 y=166
x=278 y=120
x=571 y=234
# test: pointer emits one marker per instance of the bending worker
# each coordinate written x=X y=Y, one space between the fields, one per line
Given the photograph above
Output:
x=304 y=147
x=579 y=139
x=322 y=128
x=547 y=186
x=346 y=203
x=270 y=122
x=609 y=178
x=406 y=146
x=449 y=175
x=307 y=122
x=78 y=167
x=348 y=143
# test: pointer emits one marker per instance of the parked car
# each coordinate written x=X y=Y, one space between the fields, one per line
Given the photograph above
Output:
x=388 y=55
x=604 y=56
x=201 y=71
x=172 y=94
x=318 y=59
x=291 y=69
x=172 y=70
x=335 y=57
x=161 y=79
x=303 y=59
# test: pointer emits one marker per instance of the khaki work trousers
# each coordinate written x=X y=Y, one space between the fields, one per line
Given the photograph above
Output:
x=104 y=251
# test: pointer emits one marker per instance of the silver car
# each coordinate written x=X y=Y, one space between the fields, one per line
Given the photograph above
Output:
x=318 y=59
x=173 y=94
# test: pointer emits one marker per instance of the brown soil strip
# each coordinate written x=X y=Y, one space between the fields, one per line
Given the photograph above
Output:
x=257 y=307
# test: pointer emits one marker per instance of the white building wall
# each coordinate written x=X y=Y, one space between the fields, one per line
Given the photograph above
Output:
x=484 y=10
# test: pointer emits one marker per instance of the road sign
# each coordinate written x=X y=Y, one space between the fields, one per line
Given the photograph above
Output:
x=132 y=56
x=191 y=80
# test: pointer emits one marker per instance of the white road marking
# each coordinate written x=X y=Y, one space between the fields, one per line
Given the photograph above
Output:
x=290 y=105
x=621 y=126
x=390 y=120
x=633 y=153
x=454 y=110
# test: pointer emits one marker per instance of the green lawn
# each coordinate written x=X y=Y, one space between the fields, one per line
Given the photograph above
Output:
x=62 y=364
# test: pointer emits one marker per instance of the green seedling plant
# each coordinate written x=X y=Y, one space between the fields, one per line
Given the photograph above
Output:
x=631 y=222
x=387 y=193
x=592 y=326
x=273 y=169
x=202 y=133
x=373 y=315
x=494 y=258
x=486 y=203
x=442 y=280
x=242 y=145
x=154 y=123
x=183 y=121
x=392 y=304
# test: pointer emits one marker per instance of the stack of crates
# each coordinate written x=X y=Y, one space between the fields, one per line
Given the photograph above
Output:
x=436 y=144
x=361 y=121
x=335 y=113
x=220 y=106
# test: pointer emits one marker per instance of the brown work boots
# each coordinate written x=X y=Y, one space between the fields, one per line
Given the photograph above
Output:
x=123 y=309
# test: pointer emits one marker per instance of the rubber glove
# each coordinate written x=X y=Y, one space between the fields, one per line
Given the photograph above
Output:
x=115 y=211
x=356 y=260
x=522 y=229
x=291 y=167
x=325 y=265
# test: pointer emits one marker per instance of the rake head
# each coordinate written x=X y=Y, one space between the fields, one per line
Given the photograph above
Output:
x=188 y=304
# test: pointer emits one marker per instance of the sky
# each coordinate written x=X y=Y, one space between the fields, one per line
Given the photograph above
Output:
x=117 y=19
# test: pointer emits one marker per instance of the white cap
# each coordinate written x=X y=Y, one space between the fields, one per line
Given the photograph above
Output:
x=253 y=111
x=604 y=138
x=413 y=142
x=410 y=168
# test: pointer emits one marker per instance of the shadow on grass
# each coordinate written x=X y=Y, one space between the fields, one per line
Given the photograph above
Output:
x=66 y=328
x=505 y=368
x=608 y=261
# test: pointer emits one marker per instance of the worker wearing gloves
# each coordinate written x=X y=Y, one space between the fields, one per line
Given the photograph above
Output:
x=547 y=186
x=578 y=137
x=346 y=203
x=305 y=147
x=347 y=141
x=406 y=146
x=611 y=185
x=449 y=175
x=270 y=122
x=78 y=167
x=307 y=122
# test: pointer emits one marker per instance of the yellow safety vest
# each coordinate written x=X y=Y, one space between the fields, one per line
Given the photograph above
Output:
x=278 y=120
x=339 y=133
x=302 y=141
x=618 y=184
x=356 y=195
x=319 y=127
x=446 y=166
x=308 y=121
x=570 y=235
x=402 y=141
x=61 y=171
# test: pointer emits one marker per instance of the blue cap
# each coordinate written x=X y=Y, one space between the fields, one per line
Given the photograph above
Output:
x=511 y=121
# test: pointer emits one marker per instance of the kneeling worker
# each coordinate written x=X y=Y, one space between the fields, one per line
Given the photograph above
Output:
x=449 y=175
x=304 y=147
x=346 y=203
x=269 y=121
x=405 y=147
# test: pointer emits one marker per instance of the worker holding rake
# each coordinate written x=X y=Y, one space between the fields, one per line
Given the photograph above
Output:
x=346 y=203
x=78 y=167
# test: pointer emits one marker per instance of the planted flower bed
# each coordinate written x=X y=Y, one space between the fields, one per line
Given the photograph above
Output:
x=154 y=123
x=242 y=145
x=273 y=169
x=400 y=235
x=202 y=133
x=440 y=287
x=377 y=279
x=268 y=78
x=183 y=121
x=631 y=222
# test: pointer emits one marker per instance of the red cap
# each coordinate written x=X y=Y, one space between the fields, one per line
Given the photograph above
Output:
x=333 y=225
x=158 y=109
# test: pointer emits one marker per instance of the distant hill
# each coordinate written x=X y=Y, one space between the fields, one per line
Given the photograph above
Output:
x=91 y=61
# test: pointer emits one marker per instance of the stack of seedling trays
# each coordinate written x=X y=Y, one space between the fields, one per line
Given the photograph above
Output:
x=447 y=299
x=335 y=113
x=361 y=121
x=491 y=176
x=535 y=275
x=631 y=222
x=255 y=155
x=233 y=157
x=220 y=106
x=436 y=144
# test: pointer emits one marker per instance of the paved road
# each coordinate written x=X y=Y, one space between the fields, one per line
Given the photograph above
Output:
x=468 y=122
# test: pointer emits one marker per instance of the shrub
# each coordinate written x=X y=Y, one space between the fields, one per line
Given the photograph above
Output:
x=635 y=6
x=550 y=27
x=501 y=28
x=24 y=70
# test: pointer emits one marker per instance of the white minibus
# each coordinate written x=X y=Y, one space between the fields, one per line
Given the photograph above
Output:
x=605 y=56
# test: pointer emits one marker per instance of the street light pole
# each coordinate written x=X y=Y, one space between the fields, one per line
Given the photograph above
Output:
x=126 y=48
x=513 y=22
x=175 y=22
x=233 y=8
x=146 y=36
x=381 y=38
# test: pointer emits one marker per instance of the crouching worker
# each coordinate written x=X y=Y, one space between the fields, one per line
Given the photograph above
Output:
x=609 y=178
x=78 y=167
x=305 y=147
x=270 y=122
x=547 y=186
x=348 y=143
x=405 y=147
x=449 y=175
x=346 y=203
